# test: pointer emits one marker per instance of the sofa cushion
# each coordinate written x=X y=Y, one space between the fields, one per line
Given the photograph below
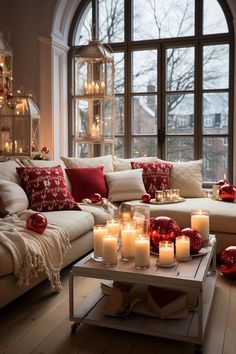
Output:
x=46 y=188
x=12 y=198
x=187 y=177
x=156 y=175
x=8 y=171
x=125 y=185
x=87 y=181
x=84 y=162
x=120 y=164
x=75 y=223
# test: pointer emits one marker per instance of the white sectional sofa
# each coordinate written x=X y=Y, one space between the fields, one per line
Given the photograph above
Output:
x=79 y=224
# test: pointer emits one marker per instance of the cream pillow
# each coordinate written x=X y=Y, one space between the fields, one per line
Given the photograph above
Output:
x=8 y=171
x=125 y=185
x=13 y=198
x=187 y=177
x=120 y=164
x=84 y=162
x=49 y=163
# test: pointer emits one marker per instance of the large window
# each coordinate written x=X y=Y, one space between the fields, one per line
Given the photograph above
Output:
x=174 y=77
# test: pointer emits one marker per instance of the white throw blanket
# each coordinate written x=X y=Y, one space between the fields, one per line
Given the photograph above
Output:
x=32 y=252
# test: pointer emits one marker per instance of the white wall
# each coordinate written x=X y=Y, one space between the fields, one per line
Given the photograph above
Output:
x=39 y=37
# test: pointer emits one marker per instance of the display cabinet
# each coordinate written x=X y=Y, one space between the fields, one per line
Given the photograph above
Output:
x=93 y=100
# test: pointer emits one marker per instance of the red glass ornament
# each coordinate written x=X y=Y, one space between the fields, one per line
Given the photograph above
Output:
x=227 y=193
x=196 y=241
x=227 y=260
x=146 y=198
x=45 y=150
x=37 y=222
x=162 y=228
x=95 y=198
x=222 y=182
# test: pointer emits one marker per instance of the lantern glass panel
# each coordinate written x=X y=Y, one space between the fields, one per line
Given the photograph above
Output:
x=81 y=117
x=5 y=135
x=80 y=76
x=21 y=136
x=35 y=135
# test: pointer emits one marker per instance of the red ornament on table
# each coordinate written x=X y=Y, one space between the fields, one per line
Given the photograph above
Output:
x=95 y=198
x=196 y=241
x=227 y=193
x=37 y=222
x=146 y=198
x=227 y=259
x=162 y=228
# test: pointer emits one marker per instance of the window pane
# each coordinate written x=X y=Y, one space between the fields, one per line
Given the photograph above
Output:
x=83 y=33
x=179 y=148
x=144 y=114
x=81 y=117
x=213 y=18
x=144 y=146
x=144 y=71
x=215 y=158
x=180 y=69
x=180 y=114
x=162 y=18
x=119 y=72
x=111 y=20
x=119 y=147
x=215 y=113
x=81 y=150
x=216 y=66
x=119 y=116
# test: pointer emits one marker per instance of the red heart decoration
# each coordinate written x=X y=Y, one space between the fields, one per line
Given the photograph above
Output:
x=37 y=222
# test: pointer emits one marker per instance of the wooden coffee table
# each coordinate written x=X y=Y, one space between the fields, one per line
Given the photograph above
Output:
x=197 y=276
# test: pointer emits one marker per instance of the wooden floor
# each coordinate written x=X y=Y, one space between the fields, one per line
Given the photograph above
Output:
x=38 y=323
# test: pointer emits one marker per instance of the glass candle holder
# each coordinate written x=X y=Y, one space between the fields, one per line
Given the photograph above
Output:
x=128 y=234
x=182 y=247
x=113 y=227
x=110 y=250
x=159 y=195
x=141 y=216
x=99 y=231
x=200 y=223
x=175 y=194
x=166 y=253
x=142 y=251
x=168 y=194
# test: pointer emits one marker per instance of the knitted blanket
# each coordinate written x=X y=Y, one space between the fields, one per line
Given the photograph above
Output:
x=34 y=253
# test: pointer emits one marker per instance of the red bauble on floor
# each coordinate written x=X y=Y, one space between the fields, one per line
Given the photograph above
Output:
x=227 y=259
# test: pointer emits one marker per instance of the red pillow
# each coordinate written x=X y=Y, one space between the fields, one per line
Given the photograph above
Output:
x=156 y=175
x=87 y=181
x=46 y=188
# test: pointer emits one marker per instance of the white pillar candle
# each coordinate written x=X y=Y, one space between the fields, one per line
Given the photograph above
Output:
x=93 y=131
x=99 y=231
x=142 y=252
x=113 y=227
x=110 y=250
x=166 y=253
x=127 y=242
x=182 y=247
x=200 y=222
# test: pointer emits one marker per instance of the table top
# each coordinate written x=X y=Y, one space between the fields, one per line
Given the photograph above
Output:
x=183 y=274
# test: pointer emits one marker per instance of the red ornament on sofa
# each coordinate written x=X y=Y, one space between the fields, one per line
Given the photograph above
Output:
x=162 y=228
x=227 y=193
x=37 y=222
x=146 y=198
x=95 y=198
x=227 y=259
x=196 y=241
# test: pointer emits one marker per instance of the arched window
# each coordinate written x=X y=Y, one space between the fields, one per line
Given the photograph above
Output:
x=174 y=77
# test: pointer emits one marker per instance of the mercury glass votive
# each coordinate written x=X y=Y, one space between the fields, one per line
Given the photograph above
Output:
x=159 y=195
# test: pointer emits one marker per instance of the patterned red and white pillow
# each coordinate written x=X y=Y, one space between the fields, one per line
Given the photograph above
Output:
x=46 y=188
x=156 y=175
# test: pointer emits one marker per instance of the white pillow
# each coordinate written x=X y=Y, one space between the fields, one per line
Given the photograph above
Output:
x=120 y=164
x=49 y=163
x=187 y=177
x=125 y=185
x=8 y=171
x=84 y=162
x=13 y=198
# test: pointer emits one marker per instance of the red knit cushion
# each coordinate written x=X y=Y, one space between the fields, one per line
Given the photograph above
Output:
x=87 y=181
x=46 y=188
x=156 y=175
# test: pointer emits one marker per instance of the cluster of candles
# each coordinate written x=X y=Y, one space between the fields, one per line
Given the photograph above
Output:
x=8 y=147
x=94 y=88
x=167 y=195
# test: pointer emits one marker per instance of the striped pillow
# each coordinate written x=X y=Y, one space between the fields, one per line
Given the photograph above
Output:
x=125 y=185
x=12 y=198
